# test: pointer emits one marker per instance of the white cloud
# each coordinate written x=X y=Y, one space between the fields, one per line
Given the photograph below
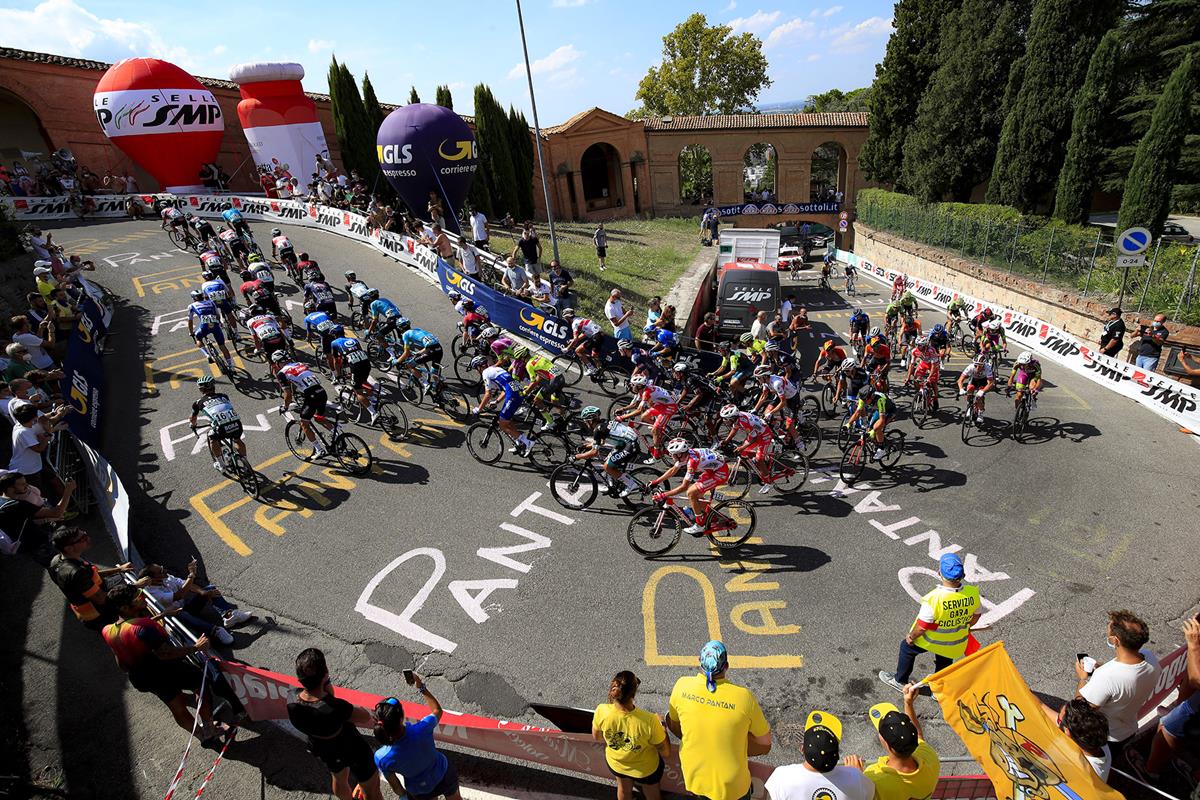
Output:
x=813 y=57
x=568 y=3
x=66 y=28
x=829 y=12
x=317 y=45
x=757 y=22
x=555 y=66
x=854 y=38
x=219 y=50
x=790 y=31
x=732 y=5
x=456 y=85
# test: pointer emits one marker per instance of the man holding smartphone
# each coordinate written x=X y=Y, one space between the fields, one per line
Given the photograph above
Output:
x=1121 y=686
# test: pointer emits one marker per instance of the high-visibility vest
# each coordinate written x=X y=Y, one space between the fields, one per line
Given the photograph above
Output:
x=952 y=611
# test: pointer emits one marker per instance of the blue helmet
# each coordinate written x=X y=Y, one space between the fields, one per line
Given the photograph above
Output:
x=665 y=337
x=939 y=328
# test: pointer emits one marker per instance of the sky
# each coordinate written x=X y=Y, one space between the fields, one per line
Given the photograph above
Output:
x=583 y=52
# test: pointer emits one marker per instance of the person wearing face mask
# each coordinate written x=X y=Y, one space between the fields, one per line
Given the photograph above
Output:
x=1118 y=688
x=1148 y=349
x=34 y=344
x=20 y=363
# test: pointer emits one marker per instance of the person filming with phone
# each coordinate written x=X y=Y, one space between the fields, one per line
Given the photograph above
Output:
x=407 y=749
x=1118 y=688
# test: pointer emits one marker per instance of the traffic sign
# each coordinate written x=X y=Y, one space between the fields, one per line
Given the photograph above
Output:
x=843 y=225
x=844 y=215
x=1133 y=241
x=1131 y=261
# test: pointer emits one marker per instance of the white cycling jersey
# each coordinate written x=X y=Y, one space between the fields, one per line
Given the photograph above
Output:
x=981 y=376
x=585 y=326
x=782 y=387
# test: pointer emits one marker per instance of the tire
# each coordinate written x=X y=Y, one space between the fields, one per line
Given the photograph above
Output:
x=455 y=404
x=795 y=481
x=352 y=453
x=574 y=486
x=744 y=519
x=549 y=451
x=297 y=442
x=179 y=240
x=740 y=476
x=854 y=461
x=245 y=474
x=463 y=371
x=610 y=383
x=810 y=438
x=569 y=367
x=393 y=421
x=620 y=401
x=456 y=345
x=845 y=437
x=485 y=442
x=377 y=353
x=827 y=404
x=810 y=404
x=408 y=387
x=643 y=474
x=920 y=411
x=893 y=449
x=967 y=423
x=653 y=531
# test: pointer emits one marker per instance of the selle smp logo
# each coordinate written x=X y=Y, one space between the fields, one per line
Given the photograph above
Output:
x=749 y=295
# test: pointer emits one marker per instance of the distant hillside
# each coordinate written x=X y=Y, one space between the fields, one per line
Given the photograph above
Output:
x=788 y=107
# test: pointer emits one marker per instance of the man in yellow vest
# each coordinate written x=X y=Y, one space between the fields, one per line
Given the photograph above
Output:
x=943 y=625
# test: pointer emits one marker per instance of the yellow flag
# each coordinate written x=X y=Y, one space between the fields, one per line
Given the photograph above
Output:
x=986 y=702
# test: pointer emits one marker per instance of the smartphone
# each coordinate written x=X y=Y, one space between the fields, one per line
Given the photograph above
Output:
x=1080 y=656
x=409 y=677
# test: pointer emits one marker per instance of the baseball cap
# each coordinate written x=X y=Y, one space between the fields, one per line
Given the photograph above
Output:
x=951 y=566
x=894 y=727
x=714 y=658
x=822 y=733
x=42 y=271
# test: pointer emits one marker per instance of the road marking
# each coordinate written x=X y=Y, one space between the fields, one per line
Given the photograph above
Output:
x=186 y=369
x=182 y=280
x=213 y=518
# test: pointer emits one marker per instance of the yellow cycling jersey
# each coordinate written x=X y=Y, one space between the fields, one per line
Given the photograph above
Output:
x=538 y=364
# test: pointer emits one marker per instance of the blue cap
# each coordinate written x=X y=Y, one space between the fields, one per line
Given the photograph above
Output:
x=713 y=659
x=951 y=567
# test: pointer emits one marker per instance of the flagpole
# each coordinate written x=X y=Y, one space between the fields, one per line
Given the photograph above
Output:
x=537 y=131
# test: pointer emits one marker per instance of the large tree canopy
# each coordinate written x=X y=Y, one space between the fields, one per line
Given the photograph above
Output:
x=837 y=100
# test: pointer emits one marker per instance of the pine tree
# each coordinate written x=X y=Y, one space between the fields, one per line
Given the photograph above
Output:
x=375 y=115
x=953 y=140
x=413 y=97
x=1077 y=181
x=1033 y=141
x=1148 y=186
x=521 y=141
x=491 y=132
x=900 y=81
x=444 y=98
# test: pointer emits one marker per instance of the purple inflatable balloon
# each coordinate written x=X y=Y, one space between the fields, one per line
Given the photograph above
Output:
x=425 y=148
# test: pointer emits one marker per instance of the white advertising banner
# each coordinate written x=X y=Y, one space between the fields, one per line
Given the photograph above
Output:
x=1162 y=395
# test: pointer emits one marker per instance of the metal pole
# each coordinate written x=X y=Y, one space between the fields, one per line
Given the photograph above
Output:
x=986 y=235
x=537 y=131
x=1012 y=253
x=1149 y=275
x=1092 y=265
x=1187 y=290
x=1049 y=247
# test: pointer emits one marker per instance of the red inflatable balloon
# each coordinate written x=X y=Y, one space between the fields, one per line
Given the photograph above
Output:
x=162 y=118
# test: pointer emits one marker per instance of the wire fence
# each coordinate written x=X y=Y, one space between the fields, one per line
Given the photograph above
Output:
x=1080 y=259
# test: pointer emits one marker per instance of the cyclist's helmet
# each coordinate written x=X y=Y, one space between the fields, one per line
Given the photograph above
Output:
x=772 y=347
x=939 y=328
x=275 y=231
x=746 y=338
x=723 y=347
x=255 y=258
x=247 y=275
x=42 y=264
x=372 y=294
x=875 y=332
x=226 y=206
x=867 y=391
x=848 y=363
x=453 y=295
x=403 y=324
x=994 y=325
x=479 y=362
x=303 y=256
x=677 y=447
x=1025 y=358
x=589 y=412
x=762 y=371
x=681 y=367
x=858 y=312
x=468 y=305
x=639 y=381
x=568 y=313
x=624 y=344
x=207 y=275
x=197 y=294
x=649 y=329
x=349 y=275
x=521 y=353
x=205 y=382
x=729 y=411
x=908 y=296
x=278 y=357
x=922 y=341
x=335 y=331
x=490 y=332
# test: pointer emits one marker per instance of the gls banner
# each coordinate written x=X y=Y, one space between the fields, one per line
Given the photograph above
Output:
x=83 y=373
x=508 y=312
x=1165 y=397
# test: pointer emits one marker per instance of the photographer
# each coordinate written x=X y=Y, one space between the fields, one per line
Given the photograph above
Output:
x=1148 y=346
x=407 y=749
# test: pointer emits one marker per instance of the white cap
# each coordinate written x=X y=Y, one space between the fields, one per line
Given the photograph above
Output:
x=42 y=263
x=42 y=271
x=259 y=71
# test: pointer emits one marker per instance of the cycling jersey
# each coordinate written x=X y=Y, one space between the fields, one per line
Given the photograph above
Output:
x=415 y=337
x=172 y=214
x=473 y=320
x=656 y=396
x=320 y=292
x=232 y=215
x=265 y=328
x=383 y=308
x=956 y=305
x=618 y=434
x=892 y=312
x=701 y=386
x=317 y=321
x=351 y=351
x=859 y=322
x=884 y=405
x=666 y=338
x=539 y=368
x=281 y=243
x=206 y=314
x=752 y=424
x=228 y=236
x=210 y=258
x=358 y=290
x=1027 y=373
x=219 y=411
x=978 y=377
x=833 y=353
x=908 y=303
x=939 y=340
x=585 y=327
x=879 y=349
x=782 y=387
x=300 y=377
x=216 y=291
x=927 y=354
x=756 y=347
x=910 y=325
x=501 y=346
x=498 y=378
x=741 y=363
x=702 y=459
x=263 y=274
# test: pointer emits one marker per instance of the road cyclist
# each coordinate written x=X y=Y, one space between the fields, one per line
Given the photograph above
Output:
x=204 y=320
x=223 y=421
x=705 y=470
x=499 y=384
x=618 y=440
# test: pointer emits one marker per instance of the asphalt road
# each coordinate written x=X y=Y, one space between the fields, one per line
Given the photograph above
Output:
x=431 y=562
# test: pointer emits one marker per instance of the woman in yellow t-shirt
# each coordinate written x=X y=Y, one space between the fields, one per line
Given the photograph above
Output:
x=635 y=744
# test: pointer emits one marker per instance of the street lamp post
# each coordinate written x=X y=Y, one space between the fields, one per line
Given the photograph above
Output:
x=537 y=131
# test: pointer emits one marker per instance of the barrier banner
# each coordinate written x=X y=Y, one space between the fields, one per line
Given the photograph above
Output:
x=779 y=208
x=27 y=209
x=111 y=500
x=1172 y=668
x=508 y=312
x=83 y=372
x=1168 y=398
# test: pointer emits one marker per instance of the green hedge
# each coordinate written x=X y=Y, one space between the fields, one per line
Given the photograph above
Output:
x=10 y=242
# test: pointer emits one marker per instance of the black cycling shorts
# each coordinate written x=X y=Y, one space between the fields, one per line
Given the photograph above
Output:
x=429 y=355
x=271 y=346
x=591 y=345
x=166 y=680
x=312 y=402
x=231 y=431
x=360 y=371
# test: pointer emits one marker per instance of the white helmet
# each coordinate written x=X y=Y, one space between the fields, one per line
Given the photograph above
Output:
x=875 y=332
x=848 y=363
x=1025 y=358
x=762 y=371
x=638 y=381
x=993 y=325
x=677 y=446
x=729 y=411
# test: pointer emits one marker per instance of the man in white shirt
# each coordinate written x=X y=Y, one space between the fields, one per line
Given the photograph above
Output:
x=785 y=308
x=615 y=311
x=40 y=242
x=470 y=257
x=820 y=775
x=1121 y=686
x=284 y=188
x=479 y=229
x=538 y=288
x=33 y=343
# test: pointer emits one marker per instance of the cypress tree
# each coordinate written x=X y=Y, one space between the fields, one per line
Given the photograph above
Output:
x=413 y=97
x=492 y=133
x=358 y=149
x=953 y=140
x=1033 y=141
x=1077 y=181
x=444 y=98
x=900 y=81
x=375 y=115
x=1148 y=186
x=522 y=151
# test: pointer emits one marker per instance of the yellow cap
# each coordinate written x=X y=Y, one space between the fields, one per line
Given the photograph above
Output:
x=823 y=719
x=879 y=711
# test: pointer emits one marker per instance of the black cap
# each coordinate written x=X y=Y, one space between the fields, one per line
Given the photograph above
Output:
x=821 y=749
x=895 y=728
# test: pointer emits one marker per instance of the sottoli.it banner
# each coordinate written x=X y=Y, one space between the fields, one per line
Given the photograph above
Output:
x=1165 y=397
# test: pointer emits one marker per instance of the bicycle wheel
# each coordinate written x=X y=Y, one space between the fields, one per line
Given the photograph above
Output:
x=809 y=438
x=854 y=461
x=642 y=475
x=739 y=480
x=485 y=442
x=244 y=473
x=810 y=405
x=609 y=382
x=408 y=387
x=393 y=421
x=454 y=403
x=844 y=435
x=352 y=453
x=791 y=472
x=653 y=531
x=920 y=409
x=463 y=371
x=827 y=403
x=574 y=486
x=1020 y=420
x=620 y=401
x=548 y=451
x=300 y=445
x=967 y=422
x=731 y=523
x=178 y=239
x=569 y=367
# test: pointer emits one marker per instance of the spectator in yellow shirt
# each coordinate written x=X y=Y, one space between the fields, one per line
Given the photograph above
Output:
x=719 y=725
x=911 y=767
x=636 y=745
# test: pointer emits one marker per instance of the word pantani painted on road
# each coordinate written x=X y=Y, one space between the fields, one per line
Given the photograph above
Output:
x=175 y=279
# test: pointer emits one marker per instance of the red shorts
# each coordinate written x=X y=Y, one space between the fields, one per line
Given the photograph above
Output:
x=926 y=369
x=661 y=415
x=712 y=478
x=757 y=446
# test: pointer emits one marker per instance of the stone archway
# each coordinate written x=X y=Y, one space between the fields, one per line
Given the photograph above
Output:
x=21 y=129
x=760 y=172
x=600 y=174
x=828 y=172
x=695 y=175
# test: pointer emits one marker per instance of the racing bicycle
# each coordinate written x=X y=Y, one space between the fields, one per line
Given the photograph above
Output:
x=215 y=356
x=182 y=239
x=348 y=449
x=434 y=388
x=485 y=442
x=234 y=465
x=862 y=450
x=1020 y=419
x=851 y=280
x=655 y=529
x=970 y=410
x=923 y=403
x=786 y=472
x=391 y=418
x=577 y=484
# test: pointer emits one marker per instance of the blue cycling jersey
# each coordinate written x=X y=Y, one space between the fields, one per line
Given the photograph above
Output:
x=202 y=309
x=232 y=215
x=666 y=338
x=384 y=308
x=315 y=320
x=216 y=290
x=349 y=349
x=415 y=337
x=319 y=292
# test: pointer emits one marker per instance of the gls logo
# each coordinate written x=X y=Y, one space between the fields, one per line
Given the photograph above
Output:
x=750 y=295
x=547 y=325
x=461 y=284
x=80 y=391
x=394 y=153
x=465 y=149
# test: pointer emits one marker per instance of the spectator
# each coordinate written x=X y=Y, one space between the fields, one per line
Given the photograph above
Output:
x=267 y=181
x=65 y=313
x=758 y=328
x=529 y=246
x=470 y=257
x=719 y=725
x=480 y=230
x=614 y=309
x=513 y=278
x=407 y=749
x=636 y=746
x=820 y=776
x=41 y=243
x=600 y=239
x=1113 y=337
x=330 y=723
x=560 y=278
x=942 y=626
x=1183 y=723
x=30 y=438
x=21 y=504
x=38 y=309
x=43 y=278
x=1149 y=345
x=1088 y=727
x=653 y=310
x=785 y=308
x=706 y=333
x=441 y=242
x=509 y=223
x=437 y=214
x=131 y=184
x=1121 y=686
x=283 y=188
x=6 y=398
x=203 y=610
x=714 y=226
x=538 y=288
x=911 y=767
x=20 y=363
x=667 y=320
x=82 y=581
